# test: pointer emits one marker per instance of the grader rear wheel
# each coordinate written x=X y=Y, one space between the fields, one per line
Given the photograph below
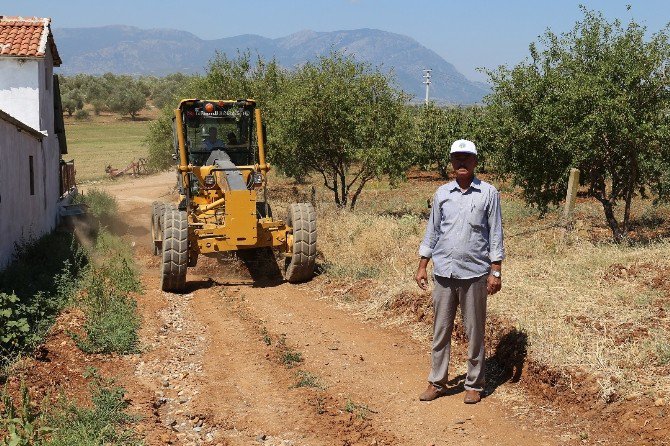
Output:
x=300 y=265
x=175 y=251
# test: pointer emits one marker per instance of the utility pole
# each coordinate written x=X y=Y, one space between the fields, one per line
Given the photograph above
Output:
x=426 y=81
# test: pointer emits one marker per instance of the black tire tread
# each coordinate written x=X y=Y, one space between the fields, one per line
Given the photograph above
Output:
x=300 y=267
x=175 y=250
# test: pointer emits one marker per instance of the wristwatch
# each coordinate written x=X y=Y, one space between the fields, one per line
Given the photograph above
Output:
x=496 y=274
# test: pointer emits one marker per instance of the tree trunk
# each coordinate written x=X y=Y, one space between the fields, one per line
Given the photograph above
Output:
x=611 y=219
x=357 y=193
x=443 y=169
x=343 y=185
x=336 y=191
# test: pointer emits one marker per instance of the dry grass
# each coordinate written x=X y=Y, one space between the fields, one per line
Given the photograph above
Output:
x=586 y=304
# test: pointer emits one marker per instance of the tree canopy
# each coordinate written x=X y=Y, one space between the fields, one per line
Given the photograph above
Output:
x=343 y=121
x=595 y=98
x=438 y=127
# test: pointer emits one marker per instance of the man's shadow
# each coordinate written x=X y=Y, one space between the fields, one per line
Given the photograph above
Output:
x=506 y=364
x=507 y=361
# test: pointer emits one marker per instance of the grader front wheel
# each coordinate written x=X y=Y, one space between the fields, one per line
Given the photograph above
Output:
x=158 y=210
x=175 y=250
x=300 y=264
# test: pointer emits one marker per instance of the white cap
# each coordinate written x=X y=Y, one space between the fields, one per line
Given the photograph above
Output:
x=463 y=146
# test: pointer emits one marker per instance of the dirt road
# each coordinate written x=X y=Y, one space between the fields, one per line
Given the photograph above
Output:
x=233 y=362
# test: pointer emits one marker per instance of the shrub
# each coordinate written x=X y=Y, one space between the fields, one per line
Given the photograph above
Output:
x=111 y=317
x=82 y=114
x=100 y=204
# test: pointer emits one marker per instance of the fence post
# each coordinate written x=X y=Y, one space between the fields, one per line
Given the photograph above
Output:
x=573 y=185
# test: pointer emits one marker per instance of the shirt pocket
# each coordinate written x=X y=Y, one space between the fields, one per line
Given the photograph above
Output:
x=477 y=218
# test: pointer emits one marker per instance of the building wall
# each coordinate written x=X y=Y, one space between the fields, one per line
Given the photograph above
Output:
x=22 y=215
x=26 y=93
x=51 y=159
x=19 y=89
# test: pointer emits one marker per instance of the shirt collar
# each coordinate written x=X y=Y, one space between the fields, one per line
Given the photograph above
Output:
x=476 y=185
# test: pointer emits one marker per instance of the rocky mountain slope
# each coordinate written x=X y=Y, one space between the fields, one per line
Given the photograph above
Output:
x=131 y=50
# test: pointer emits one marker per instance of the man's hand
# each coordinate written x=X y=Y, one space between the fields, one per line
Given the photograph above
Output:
x=493 y=284
x=422 y=278
x=421 y=274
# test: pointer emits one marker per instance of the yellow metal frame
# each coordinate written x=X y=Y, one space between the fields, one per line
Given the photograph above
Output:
x=226 y=220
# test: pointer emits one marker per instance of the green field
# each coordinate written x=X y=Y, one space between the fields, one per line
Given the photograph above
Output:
x=96 y=144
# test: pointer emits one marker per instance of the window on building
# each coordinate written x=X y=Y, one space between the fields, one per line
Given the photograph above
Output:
x=32 y=176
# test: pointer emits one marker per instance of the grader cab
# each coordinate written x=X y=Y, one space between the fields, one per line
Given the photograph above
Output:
x=222 y=207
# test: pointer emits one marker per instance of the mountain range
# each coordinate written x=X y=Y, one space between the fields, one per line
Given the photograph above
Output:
x=129 y=50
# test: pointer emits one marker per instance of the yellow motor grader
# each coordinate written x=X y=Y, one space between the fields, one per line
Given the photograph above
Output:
x=222 y=183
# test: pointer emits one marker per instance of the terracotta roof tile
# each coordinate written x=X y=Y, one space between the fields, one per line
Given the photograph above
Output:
x=27 y=37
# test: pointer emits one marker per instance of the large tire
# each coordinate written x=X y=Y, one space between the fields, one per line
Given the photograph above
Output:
x=175 y=251
x=300 y=266
x=157 y=223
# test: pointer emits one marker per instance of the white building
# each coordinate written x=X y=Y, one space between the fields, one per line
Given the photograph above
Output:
x=30 y=151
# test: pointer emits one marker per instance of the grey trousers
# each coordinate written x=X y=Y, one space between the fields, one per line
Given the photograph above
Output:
x=471 y=295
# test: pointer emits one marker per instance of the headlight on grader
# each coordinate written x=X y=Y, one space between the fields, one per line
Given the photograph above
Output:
x=209 y=182
x=258 y=179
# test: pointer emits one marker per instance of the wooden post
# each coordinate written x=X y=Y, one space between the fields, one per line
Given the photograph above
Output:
x=573 y=185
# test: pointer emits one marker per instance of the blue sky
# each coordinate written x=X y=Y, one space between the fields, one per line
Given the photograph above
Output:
x=478 y=33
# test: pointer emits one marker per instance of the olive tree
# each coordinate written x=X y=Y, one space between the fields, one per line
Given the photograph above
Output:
x=596 y=98
x=436 y=128
x=343 y=121
x=128 y=99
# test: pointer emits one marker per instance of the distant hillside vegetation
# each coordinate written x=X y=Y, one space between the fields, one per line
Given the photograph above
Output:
x=130 y=50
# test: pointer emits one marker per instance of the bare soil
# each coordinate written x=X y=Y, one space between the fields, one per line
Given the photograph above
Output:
x=223 y=363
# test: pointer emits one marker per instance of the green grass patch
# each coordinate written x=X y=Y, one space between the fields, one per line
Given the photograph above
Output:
x=101 y=205
x=307 y=379
x=112 y=320
x=291 y=358
x=34 y=288
x=56 y=271
x=95 y=145
x=663 y=353
x=267 y=339
x=287 y=356
x=360 y=410
x=67 y=424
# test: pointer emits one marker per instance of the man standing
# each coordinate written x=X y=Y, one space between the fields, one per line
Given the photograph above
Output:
x=464 y=238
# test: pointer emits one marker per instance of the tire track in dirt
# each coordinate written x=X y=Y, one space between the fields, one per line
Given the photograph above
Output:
x=255 y=397
x=379 y=368
x=242 y=397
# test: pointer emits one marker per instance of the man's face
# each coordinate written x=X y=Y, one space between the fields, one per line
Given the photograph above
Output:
x=212 y=134
x=464 y=164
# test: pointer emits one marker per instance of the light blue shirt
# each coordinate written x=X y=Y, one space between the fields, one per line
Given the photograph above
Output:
x=209 y=145
x=464 y=233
